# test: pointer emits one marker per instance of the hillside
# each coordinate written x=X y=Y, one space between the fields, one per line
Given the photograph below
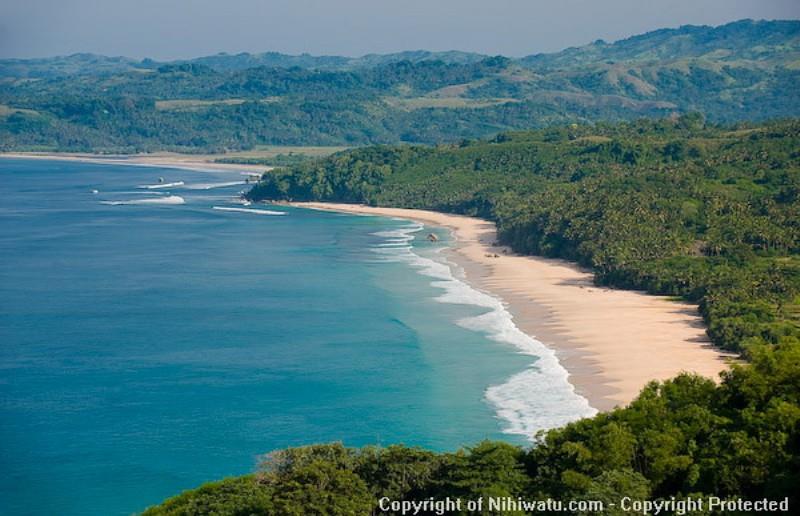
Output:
x=741 y=40
x=741 y=71
x=673 y=206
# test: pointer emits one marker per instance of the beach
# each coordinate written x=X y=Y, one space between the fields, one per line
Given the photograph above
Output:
x=203 y=162
x=612 y=342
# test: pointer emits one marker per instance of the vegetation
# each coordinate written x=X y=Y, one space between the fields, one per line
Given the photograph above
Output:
x=683 y=437
x=280 y=160
x=674 y=207
x=282 y=156
x=741 y=71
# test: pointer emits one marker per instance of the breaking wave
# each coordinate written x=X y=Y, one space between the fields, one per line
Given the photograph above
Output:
x=159 y=186
x=170 y=199
x=249 y=210
x=210 y=186
x=538 y=398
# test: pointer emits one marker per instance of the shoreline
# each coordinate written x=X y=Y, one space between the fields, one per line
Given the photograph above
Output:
x=160 y=159
x=611 y=342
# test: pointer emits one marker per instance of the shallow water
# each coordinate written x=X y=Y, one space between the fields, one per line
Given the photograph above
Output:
x=148 y=347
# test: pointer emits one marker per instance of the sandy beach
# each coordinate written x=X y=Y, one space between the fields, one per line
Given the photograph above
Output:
x=158 y=159
x=612 y=342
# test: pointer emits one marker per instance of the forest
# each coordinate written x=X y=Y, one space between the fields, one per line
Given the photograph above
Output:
x=677 y=206
x=744 y=70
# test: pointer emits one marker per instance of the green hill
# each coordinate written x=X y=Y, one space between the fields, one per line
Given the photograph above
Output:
x=769 y=41
x=741 y=71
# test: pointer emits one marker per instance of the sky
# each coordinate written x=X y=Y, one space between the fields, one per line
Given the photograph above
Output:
x=174 y=29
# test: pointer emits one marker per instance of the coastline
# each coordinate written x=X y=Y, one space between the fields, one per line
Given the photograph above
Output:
x=159 y=159
x=611 y=342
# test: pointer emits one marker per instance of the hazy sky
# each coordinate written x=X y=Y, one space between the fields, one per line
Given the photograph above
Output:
x=167 y=29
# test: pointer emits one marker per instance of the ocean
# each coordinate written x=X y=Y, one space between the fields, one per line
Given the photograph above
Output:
x=155 y=334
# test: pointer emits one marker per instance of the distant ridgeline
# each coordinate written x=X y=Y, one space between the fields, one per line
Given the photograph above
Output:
x=741 y=71
x=672 y=206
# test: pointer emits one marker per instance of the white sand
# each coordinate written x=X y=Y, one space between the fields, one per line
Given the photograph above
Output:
x=612 y=342
x=158 y=159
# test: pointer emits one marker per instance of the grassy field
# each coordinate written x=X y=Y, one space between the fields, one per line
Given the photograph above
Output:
x=444 y=102
x=6 y=111
x=274 y=155
x=199 y=105
x=270 y=151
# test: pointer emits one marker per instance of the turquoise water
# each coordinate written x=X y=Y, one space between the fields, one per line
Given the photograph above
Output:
x=147 y=348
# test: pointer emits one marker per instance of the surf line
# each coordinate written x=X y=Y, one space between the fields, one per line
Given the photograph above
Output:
x=172 y=199
x=249 y=210
x=539 y=397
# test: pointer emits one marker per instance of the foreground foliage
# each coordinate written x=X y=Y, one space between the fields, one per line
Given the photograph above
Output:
x=683 y=437
x=673 y=207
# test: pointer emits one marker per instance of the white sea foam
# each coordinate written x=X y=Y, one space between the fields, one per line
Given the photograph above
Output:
x=394 y=243
x=141 y=192
x=538 y=398
x=159 y=186
x=210 y=186
x=170 y=199
x=249 y=210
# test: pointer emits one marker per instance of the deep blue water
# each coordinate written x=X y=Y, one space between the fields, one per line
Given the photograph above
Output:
x=148 y=348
